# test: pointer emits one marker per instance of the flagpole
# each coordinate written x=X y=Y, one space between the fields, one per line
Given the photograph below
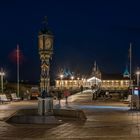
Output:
x=130 y=64
x=17 y=70
x=131 y=86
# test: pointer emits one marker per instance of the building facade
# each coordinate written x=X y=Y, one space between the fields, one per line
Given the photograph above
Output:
x=69 y=83
x=104 y=84
x=103 y=81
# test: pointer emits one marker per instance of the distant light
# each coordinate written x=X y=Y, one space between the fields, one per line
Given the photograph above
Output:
x=2 y=73
x=61 y=76
x=72 y=77
x=138 y=72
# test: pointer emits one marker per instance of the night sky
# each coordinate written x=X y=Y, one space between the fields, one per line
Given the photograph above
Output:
x=84 y=31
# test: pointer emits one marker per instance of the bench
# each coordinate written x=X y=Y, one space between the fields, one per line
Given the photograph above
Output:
x=128 y=100
x=14 y=97
x=3 y=98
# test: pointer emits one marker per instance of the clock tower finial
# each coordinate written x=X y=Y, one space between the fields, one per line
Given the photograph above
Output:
x=45 y=29
x=45 y=22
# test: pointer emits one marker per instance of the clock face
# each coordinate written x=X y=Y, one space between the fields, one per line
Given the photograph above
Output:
x=48 y=43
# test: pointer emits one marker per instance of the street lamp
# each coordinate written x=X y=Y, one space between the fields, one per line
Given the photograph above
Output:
x=84 y=82
x=72 y=77
x=2 y=74
x=78 y=81
x=61 y=77
x=138 y=73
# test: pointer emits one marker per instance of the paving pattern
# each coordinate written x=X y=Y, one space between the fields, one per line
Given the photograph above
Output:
x=105 y=121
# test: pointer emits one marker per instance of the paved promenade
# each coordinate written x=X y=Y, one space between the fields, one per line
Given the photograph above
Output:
x=106 y=120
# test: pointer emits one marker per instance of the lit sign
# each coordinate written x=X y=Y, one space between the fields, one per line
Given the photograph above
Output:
x=136 y=92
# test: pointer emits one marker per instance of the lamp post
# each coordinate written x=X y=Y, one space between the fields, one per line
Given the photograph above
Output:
x=2 y=74
x=78 y=81
x=61 y=77
x=84 y=82
x=138 y=74
x=72 y=77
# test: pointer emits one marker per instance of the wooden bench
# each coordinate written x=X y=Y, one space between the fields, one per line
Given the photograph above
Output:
x=3 y=98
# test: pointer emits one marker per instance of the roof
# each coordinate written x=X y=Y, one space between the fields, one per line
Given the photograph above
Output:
x=45 y=31
x=113 y=77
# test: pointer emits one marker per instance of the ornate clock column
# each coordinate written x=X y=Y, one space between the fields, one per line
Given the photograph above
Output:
x=45 y=39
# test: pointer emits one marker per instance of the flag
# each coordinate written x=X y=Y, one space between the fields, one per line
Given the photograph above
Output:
x=16 y=55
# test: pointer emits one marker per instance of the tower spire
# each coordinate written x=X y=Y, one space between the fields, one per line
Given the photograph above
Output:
x=45 y=22
x=126 y=72
x=95 y=66
x=44 y=29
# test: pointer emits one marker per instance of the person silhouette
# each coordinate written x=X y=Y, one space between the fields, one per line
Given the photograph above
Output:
x=44 y=94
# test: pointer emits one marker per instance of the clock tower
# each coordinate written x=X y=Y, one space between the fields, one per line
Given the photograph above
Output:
x=45 y=47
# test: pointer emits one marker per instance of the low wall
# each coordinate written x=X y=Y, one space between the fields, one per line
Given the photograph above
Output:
x=73 y=113
x=30 y=116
